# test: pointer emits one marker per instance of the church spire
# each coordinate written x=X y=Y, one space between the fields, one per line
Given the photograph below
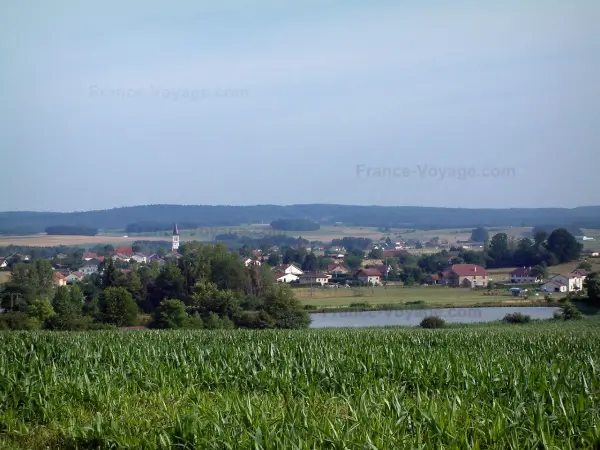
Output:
x=175 y=245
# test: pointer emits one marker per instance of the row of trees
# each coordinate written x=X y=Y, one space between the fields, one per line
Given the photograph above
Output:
x=207 y=286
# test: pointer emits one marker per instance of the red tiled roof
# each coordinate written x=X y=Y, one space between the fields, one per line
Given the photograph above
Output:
x=369 y=273
x=89 y=255
x=59 y=275
x=521 y=272
x=124 y=250
x=468 y=270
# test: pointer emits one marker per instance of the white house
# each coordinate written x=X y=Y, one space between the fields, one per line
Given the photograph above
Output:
x=281 y=277
x=89 y=267
x=249 y=261
x=369 y=276
x=524 y=275
x=74 y=277
x=139 y=258
x=564 y=283
x=289 y=268
x=314 y=278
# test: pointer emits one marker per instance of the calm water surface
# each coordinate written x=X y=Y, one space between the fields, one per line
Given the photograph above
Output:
x=413 y=317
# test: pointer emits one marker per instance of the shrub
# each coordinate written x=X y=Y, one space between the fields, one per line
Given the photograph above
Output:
x=517 y=318
x=569 y=312
x=18 y=321
x=214 y=322
x=256 y=320
x=171 y=313
x=433 y=322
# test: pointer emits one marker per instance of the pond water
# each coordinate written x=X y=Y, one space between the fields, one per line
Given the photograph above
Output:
x=413 y=317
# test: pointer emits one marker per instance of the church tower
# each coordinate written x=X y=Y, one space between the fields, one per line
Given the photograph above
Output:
x=175 y=246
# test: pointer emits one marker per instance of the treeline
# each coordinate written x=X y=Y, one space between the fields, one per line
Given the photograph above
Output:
x=295 y=225
x=207 y=287
x=71 y=230
x=144 y=218
x=234 y=241
x=352 y=243
x=153 y=227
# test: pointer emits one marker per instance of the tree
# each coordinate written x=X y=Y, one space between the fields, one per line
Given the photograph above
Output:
x=499 y=249
x=310 y=263
x=353 y=262
x=42 y=310
x=584 y=265
x=592 y=286
x=118 y=307
x=274 y=259
x=540 y=238
x=285 y=309
x=376 y=253
x=564 y=245
x=170 y=313
x=479 y=234
x=110 y=274
x=540 y=271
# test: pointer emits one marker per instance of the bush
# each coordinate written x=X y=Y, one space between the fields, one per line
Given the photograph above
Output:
x=568 y=312
x=171 y=313
x=214 y=322
x=517 y=318
x=256 y=320
x=18 y=321
x=433 y=322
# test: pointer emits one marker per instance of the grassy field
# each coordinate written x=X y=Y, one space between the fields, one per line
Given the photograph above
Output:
x=497 y=387
x=325 y=234
x=397 y=295
x=4 y=277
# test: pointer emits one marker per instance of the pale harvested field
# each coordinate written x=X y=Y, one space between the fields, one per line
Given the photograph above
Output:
x=4 y=277
x=42 y=240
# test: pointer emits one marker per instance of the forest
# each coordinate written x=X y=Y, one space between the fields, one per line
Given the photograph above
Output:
x=145 y=218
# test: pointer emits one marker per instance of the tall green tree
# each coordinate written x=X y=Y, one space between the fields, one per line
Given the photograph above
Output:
x=283 y=306
x=479 y=234
x=119 y=308
x=564 y=245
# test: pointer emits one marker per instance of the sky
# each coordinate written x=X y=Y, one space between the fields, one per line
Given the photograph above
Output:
x=423 y=103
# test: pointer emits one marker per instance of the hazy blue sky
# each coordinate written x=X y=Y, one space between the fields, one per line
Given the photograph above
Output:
x=90 y=118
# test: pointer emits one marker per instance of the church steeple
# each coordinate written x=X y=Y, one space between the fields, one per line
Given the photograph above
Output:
x=175 y=245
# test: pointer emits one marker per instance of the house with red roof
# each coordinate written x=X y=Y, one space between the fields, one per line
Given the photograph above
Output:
x=337 y=269
x=369 y=276
x=59 y=279
x=464 y=275
x=125 y=251
x=524 y=275
x=394 y=253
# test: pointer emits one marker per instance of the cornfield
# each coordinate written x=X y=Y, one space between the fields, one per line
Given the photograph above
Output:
x=507 y=387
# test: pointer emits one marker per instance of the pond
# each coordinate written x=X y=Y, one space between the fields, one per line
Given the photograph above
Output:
x=413 y=317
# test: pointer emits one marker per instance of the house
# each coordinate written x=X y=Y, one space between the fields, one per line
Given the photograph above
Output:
x=289 y=268
x=89 y=267
x=564 y=283
x=74 y=277
x=85 y=256
x=554 y=286
x=369 y=276
x=337 y=269
x=3 y=263
x=321 y=278
x=139 y=258
x=464 y=275
x=249 y=261
x=336 y=249
x=524 y=275
x=432 y=279
x=281 y=277
x=581 y=272
x=125 y=251
x=384 y=269
x=59 y=279
x=584 y=238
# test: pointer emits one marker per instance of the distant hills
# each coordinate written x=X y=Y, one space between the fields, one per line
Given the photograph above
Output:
x=162 y=217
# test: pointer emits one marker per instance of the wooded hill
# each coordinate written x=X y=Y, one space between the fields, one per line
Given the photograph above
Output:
x=162 y=217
